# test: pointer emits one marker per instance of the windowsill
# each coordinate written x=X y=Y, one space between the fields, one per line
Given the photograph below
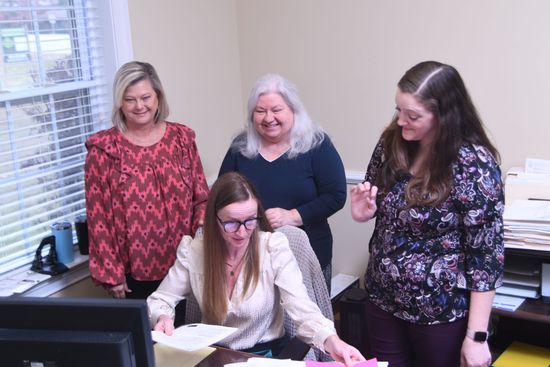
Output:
x=78 y=270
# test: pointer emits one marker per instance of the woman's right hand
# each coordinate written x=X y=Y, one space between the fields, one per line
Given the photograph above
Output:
x=165 y=325
x=342 y=351
x=119 y=290
x=363 y=201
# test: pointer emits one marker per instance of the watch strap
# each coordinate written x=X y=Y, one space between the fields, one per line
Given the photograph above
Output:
x=477 y=336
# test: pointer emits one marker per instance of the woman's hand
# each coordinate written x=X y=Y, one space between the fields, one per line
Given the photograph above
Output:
x=279 y=217
x=363 y=201
x=165 y=325
x=341 y=351
x=475 y=354
x=119 y=290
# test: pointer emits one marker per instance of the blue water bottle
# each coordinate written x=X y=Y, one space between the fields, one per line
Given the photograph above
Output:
x=63 y=233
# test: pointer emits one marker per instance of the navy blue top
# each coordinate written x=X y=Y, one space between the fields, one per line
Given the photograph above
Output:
x=314 y=183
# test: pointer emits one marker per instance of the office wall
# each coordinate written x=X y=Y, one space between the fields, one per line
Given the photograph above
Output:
x=346 y=58
x=194 y=47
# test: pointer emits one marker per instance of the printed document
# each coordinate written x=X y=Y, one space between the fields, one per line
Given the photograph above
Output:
x=193 y=336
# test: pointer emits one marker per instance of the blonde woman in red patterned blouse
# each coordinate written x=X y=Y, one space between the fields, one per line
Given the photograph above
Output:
x=145 y=187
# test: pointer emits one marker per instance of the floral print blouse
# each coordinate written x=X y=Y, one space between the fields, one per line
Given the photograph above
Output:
x=424 y=261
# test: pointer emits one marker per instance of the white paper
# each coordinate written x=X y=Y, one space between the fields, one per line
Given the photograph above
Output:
x=528 y=210
x=267 y=362
x=30 y=276
x=19 y=282
x=527 y=281
x=541 y=166
x=340 y=282
x=193 y=336
x=507 y=303
x=518 y=291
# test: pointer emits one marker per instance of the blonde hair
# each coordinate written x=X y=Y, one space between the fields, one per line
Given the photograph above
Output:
x=129 y=74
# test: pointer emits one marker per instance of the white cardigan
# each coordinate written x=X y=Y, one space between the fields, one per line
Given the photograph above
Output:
x=259 y=317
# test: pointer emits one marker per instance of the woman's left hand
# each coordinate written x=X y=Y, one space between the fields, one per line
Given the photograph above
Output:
x=279 y=217
x=474 y=354
x=341 y=351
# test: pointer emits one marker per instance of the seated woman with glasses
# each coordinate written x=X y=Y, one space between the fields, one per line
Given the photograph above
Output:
x=244 y=276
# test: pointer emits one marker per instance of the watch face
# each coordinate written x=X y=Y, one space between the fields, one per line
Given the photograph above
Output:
x=481 y=336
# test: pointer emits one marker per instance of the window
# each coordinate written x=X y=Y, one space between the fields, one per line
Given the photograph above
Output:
x=54 y=64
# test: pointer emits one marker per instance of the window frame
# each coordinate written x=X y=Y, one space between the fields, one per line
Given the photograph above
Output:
x=115 y=34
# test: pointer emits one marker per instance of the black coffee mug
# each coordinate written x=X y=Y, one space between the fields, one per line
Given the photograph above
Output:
x=81 y=226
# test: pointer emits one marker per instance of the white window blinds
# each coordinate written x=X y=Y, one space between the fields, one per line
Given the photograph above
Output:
x=52 y=97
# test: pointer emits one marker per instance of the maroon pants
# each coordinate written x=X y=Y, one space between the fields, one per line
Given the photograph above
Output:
x=404 y=344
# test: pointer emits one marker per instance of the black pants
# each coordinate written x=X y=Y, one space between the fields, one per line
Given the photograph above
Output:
x=141 y=289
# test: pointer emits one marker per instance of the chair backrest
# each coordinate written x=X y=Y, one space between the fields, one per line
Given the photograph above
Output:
x=313 y=279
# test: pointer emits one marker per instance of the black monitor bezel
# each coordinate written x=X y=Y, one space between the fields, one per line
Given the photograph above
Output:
x=82 y=314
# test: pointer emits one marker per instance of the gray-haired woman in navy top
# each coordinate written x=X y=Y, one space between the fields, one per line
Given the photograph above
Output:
x=292 y=162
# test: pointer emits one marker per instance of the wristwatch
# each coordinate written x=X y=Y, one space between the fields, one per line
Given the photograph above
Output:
x=478 y=336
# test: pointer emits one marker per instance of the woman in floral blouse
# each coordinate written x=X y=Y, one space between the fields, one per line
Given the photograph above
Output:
x=436 y=254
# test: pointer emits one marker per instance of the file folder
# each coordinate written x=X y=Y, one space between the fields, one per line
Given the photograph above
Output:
x=524 y=355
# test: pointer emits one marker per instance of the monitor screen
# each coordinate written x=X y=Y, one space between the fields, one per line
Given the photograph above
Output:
x=58 y=332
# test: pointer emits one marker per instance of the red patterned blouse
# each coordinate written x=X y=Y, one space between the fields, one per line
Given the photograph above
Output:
x=140 y=202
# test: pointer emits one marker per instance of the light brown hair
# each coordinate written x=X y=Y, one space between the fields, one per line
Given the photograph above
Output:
x=229 y=188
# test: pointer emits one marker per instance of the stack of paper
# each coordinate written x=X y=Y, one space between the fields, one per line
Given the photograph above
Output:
x=527 y=225
x=522 y=277
x=530 y=182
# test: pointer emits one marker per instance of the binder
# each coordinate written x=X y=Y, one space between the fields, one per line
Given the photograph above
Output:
x=524 y=355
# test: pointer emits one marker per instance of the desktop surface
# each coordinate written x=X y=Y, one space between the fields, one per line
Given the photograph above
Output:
x=207 y=357
x=222 y=356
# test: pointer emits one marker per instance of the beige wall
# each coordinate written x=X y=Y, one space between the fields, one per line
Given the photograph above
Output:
x=346 y=57
x=194 y=47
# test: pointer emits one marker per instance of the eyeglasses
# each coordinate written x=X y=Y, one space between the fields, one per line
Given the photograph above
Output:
x=232 y=226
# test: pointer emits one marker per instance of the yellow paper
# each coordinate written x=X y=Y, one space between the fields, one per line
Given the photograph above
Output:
x=524 y=355
x=171 y=357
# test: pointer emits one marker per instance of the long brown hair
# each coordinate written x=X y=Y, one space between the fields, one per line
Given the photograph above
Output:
x=441 y=90
x=229 y=188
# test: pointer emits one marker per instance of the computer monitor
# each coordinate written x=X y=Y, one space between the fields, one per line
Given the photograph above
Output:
x=58 y=332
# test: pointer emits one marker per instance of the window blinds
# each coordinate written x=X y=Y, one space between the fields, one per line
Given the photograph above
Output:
x=52 y=98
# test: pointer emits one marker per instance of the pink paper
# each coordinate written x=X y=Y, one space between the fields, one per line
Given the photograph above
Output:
x=368 y=363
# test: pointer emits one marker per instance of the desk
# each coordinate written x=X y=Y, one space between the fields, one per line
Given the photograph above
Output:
x=530 y=323
x=530 y=309
x=218 y=357
x=222 y=356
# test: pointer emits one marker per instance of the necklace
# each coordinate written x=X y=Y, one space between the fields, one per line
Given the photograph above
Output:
x=234 y=266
